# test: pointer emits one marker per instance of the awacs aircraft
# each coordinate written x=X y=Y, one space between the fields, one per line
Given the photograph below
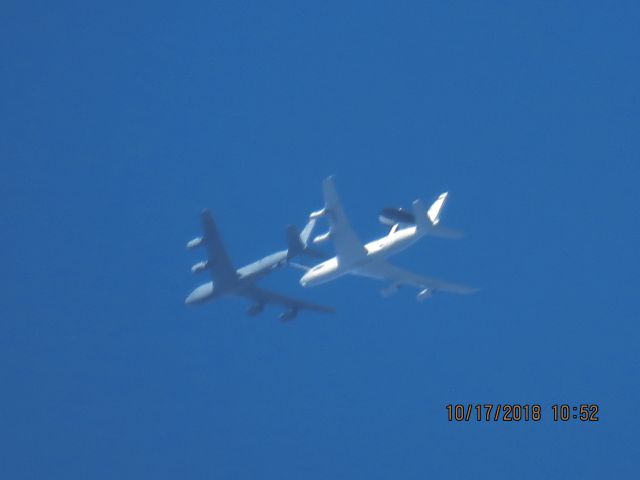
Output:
x=242 y=282
x=353 y=257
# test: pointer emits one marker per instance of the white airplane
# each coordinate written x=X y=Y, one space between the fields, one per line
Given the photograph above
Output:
x=353 y=257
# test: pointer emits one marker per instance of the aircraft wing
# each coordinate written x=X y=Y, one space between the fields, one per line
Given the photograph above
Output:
x=262 y=296
x=383 y=270
x=218 y=260
x=347 y=244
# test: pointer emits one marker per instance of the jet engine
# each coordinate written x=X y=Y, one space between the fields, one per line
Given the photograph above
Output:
x=199 y=267
x=255 y=309
x=195 y=243
x=424 y=294
x=288 y=315
x=317 y=214
x=322 y=238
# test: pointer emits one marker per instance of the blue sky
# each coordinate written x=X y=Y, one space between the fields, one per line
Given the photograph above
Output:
x=121 y=122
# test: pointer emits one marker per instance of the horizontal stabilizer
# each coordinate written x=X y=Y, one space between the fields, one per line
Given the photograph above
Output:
x=445 y=232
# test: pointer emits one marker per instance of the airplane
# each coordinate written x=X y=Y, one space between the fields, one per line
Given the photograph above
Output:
x=242 y=282
x=355 y=258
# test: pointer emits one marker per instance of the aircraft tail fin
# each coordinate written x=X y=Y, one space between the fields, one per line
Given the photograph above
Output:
x=297 y=243
x=423 y=222
x=428 y=220
x=436 y=207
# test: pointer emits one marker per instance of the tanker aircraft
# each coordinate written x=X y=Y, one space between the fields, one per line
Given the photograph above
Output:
x=355 y=258
x=242 y=282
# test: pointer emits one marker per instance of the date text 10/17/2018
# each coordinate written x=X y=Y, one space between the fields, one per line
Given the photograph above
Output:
x=526 y=412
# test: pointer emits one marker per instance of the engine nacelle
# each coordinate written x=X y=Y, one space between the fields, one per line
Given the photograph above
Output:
x=424 y=294
x=322 y=238
x=195 y=243
x=288 y=315
x=199 y=267
x=317 y=214
x=255 y=309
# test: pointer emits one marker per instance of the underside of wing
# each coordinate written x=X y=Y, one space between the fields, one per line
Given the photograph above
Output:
x=262 y=297
x=218 y=260
x=347 y=244
x=383 y=270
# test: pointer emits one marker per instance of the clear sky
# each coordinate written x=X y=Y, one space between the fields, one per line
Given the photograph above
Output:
x=120 y=122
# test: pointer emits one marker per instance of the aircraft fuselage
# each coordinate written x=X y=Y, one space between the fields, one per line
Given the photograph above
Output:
x=377 y=249
x=246 y=276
